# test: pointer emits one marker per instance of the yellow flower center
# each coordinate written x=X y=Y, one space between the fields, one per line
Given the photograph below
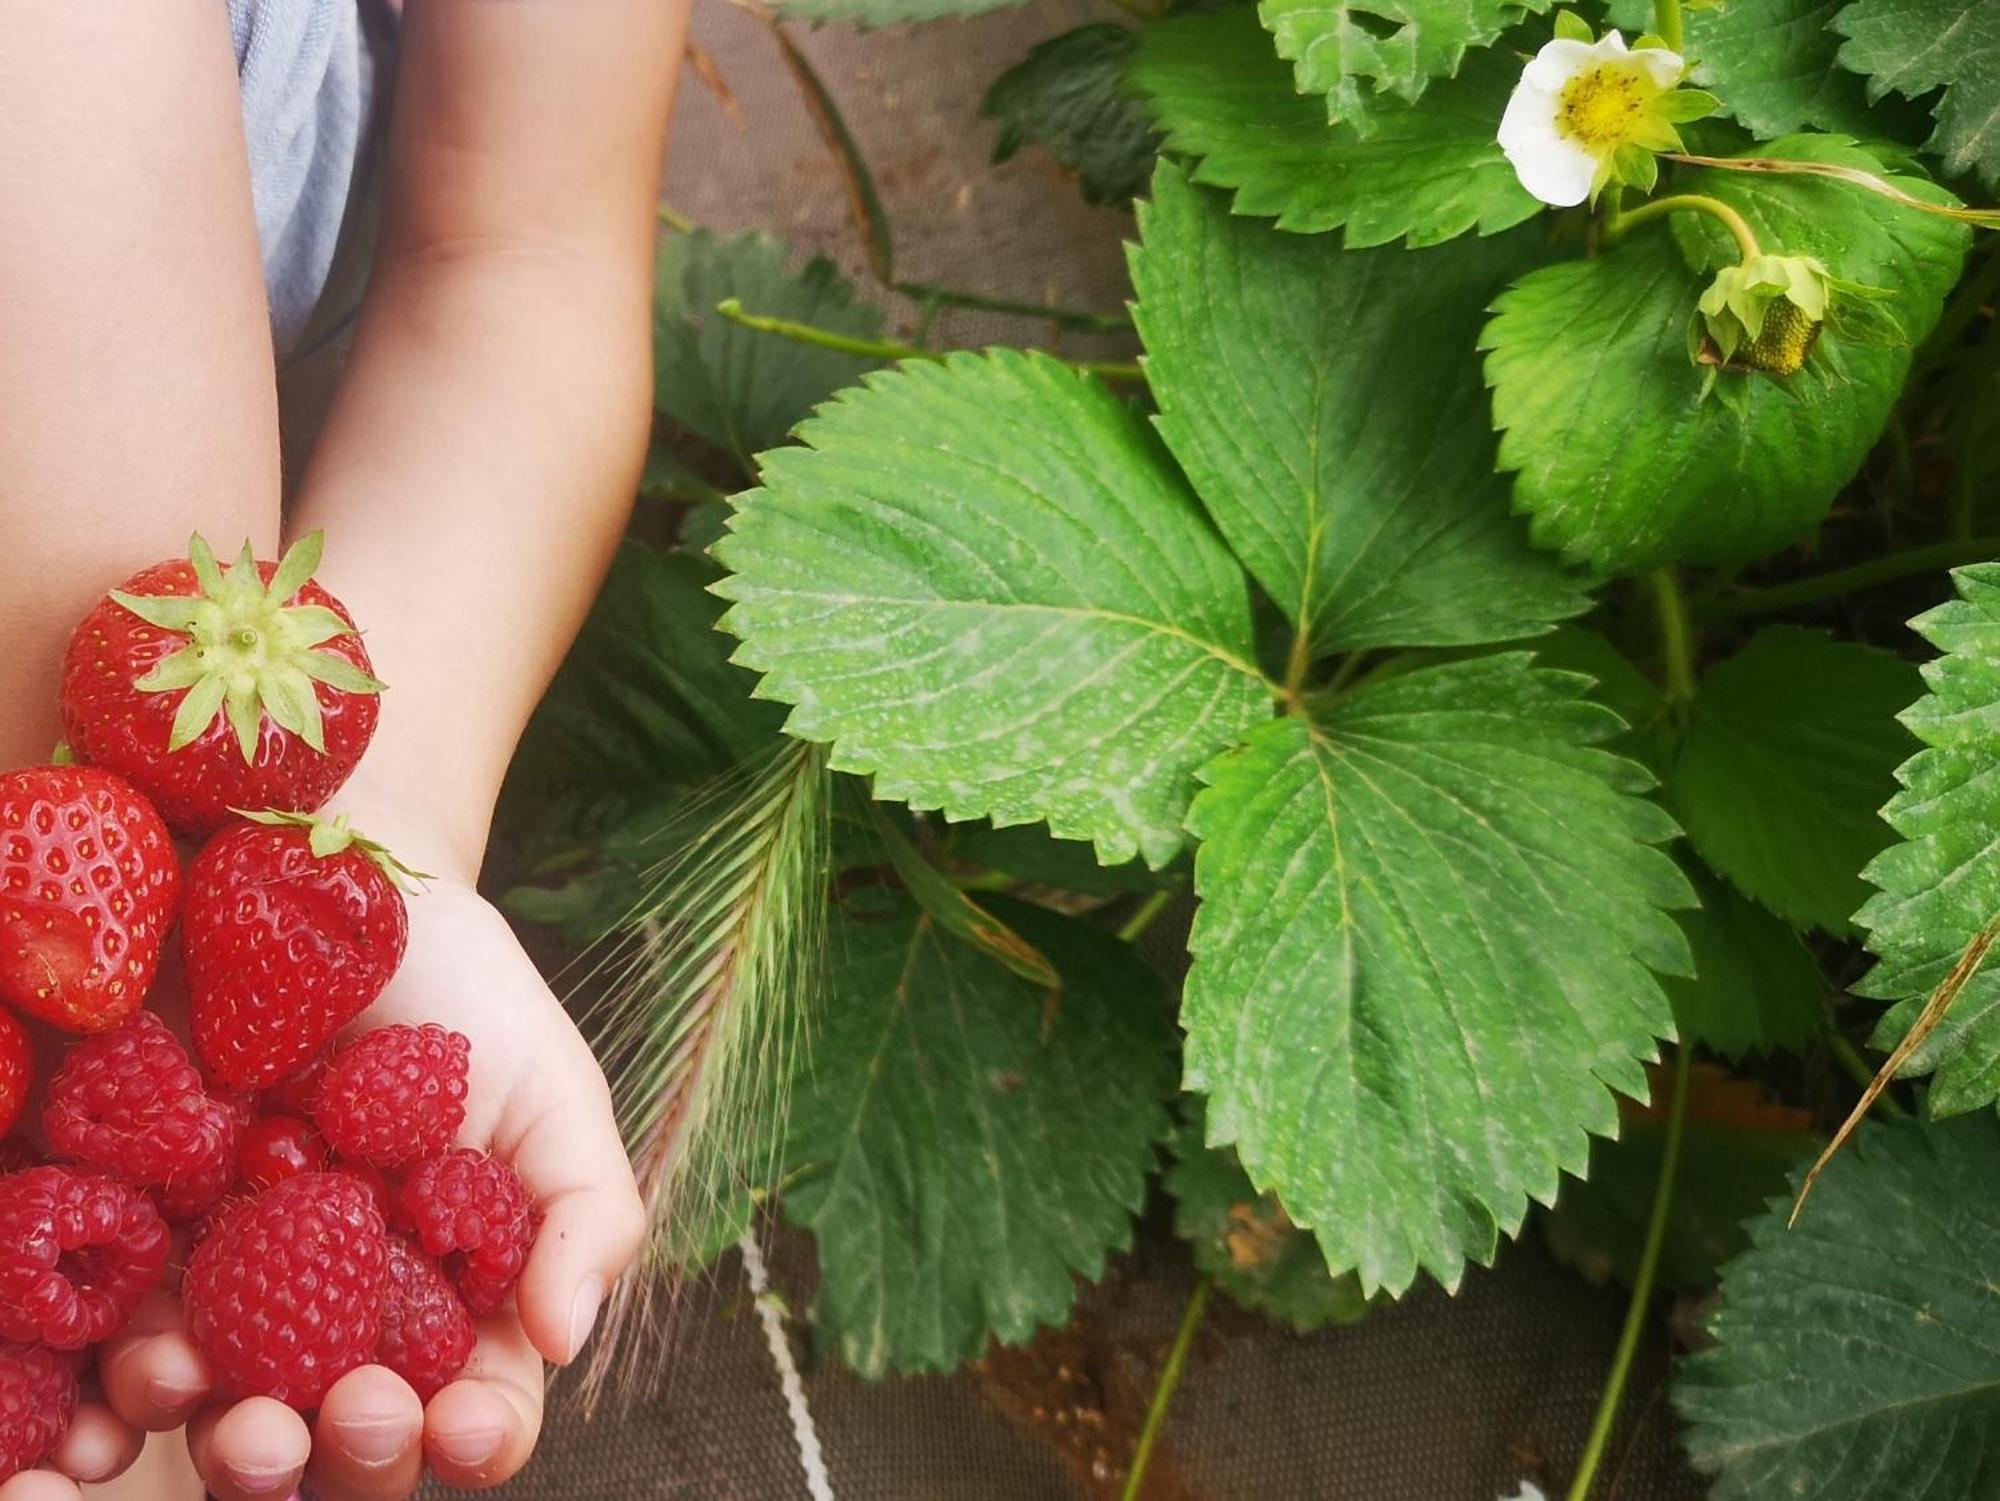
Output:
x=1601 y=106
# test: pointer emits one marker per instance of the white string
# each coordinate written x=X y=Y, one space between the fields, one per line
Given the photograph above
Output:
x=771 y=1315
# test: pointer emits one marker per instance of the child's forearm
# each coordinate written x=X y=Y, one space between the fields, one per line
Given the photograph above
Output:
x=136 y=393
x=483 y=452
x=474 y=480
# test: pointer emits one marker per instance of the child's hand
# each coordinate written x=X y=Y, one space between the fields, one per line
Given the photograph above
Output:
x=538 y=1100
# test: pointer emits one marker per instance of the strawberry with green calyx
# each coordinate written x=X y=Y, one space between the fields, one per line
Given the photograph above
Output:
x=212 y=688
x=88 y=884
x=293 y=927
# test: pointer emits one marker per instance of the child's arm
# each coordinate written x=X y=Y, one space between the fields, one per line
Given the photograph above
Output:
x=473 y=480
x=137 y=399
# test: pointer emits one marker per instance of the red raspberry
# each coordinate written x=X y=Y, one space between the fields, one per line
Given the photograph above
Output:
x=276 y=1148
x=395 y=1096
x=37 y=1400
x=284 y=1294
x=131 y=1103
x=473 y=1213
x=17 y=1070
x=82 y=1251
x=426 y=1332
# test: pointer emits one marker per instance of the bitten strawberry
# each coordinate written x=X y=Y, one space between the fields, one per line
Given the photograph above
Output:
x=214 y=689
x=473 y=1213
x=395 y=1095
x=427 y=1335
x=131 y=1104
x=284 y=1294
x=88 y=882
x=80 y=1252
x=37 y=1400
x=17 y=1071
x=292 y=929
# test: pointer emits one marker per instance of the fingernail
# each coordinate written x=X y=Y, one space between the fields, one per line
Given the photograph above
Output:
x=262 y=1482
x=170 y=1395
x=374 y=1441
x=583 y=1313
x=470 y=1447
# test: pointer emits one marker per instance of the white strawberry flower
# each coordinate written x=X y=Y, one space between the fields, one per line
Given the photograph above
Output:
x=1588 y=112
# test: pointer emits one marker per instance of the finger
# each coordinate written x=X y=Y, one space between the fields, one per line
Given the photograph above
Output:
x=480 y=1430
x=39 y=1485
x=368 y=1439
x=255 y=1450
x=153 y=1376
x=98 y=1447
x=573 y=1161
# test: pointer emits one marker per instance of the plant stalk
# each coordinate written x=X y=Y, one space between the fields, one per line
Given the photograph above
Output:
x=1848 y=1056
x=882 y=349
x=1163 y=1392
x=1079 y=320
x=1667 y=22
x=1869 y=575
x=1676 y=642
x=1642 y=1286
x=1148 y=911
x=1617 y=225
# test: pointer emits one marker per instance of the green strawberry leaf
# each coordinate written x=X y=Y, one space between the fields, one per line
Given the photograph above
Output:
x=1737 y=1151
x=988 y=587
x=1756 y=987
x=1913 y=47
x=1421 y=175
x=1859 y=1354
x=1355 y=51
x=1246 y=1242
x=1349 y=464
x=1941 y=885
x=1771 y=62
x=742 y=390
x=647 y=695
x=1068 y=95
x=1615 y=683
x=1424 y=949
x=1791 y=750
x=958 y=1171
x=1621 y=462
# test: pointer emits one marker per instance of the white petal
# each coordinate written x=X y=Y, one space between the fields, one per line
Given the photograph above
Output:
x=1530 y=119
x=1558 y=62
x=1555 y=170
x=1664 y=68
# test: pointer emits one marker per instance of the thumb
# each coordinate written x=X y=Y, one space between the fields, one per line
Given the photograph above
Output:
x=570 y=1156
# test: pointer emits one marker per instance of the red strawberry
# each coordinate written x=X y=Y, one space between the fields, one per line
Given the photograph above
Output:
x=214 y=690
x=17 y=1072
x=292 y=929
x=88 y=881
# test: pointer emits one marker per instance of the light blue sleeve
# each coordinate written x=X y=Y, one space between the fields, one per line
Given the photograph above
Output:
x=307 y=81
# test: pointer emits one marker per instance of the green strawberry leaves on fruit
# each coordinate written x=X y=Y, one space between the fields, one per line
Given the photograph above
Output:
x=251 y=653
x=327 y=837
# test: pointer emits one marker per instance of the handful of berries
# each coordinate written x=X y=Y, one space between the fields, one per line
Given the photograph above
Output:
x=306 y=1193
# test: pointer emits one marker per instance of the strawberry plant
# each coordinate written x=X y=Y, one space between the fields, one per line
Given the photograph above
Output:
x=1533 y=600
